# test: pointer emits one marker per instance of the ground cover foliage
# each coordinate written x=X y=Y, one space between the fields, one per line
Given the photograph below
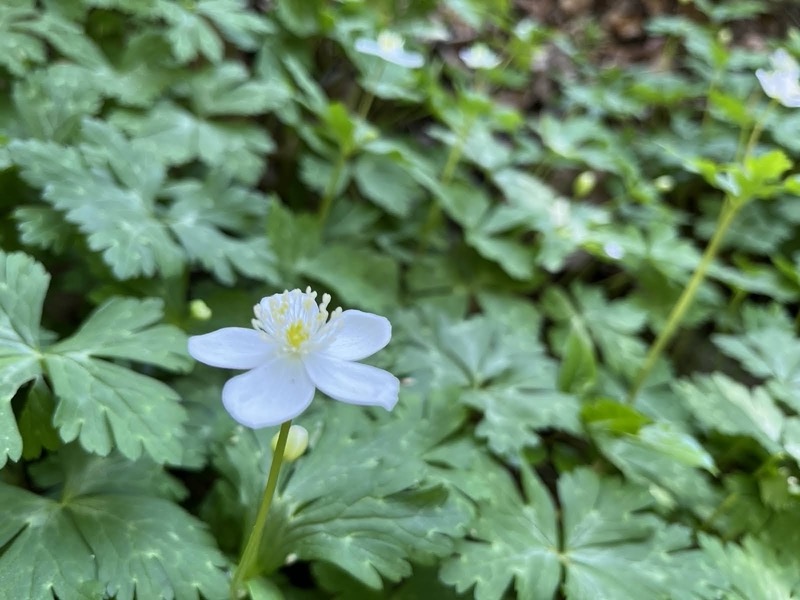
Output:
x=527 y=216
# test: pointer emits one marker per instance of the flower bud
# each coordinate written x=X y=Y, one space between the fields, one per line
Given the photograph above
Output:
x=584 y=184
x=664 y=184
x=296 y=443
x=199 y=310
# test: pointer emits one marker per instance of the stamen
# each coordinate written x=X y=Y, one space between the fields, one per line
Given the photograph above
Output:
x=294 y=321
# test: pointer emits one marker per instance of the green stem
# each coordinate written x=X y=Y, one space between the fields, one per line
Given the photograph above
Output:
x=757 y=129
x=729 y=211
x=453 y=157
x=330 y=189
x=244 y=568
x=367 y=97
x=365 y=104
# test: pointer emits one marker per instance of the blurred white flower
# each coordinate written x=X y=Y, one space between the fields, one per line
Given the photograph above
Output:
x=614 y=250
x=293 y=349
x=479 y=56
x=390 y=47
x=781 y=83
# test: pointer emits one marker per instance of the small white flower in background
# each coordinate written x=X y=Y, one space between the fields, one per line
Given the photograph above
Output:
x=781 y=83
x=479 y=56
x=295 y=347
x=614 y=250
x=390 y=47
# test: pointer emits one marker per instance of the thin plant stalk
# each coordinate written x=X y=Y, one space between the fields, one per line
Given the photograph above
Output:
x=367 y=97
x=330 y=189
x=729 y=211
x=243 y=569
x=757 y=129
x=453 y=158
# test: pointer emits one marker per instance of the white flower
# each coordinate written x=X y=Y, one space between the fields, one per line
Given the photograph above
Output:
x=293 y=349
x=782 y=82
x=390 y=47
x=479 y=56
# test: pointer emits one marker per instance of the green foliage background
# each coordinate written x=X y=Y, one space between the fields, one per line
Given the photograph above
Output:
x=155 y=152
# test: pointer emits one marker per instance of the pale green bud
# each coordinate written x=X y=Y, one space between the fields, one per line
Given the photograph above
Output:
x=199 y=310
x=296 y=443
x=584 y=184
x=664 y=184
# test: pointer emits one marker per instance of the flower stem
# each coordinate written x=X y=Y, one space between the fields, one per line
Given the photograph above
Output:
x=729 y=212
x=367 y=96
x=757 y=129
x=243 y=569
x=453 y=157
x=330 y=189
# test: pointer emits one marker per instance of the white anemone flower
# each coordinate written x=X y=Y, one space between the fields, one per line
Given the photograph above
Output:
x=479 y=56
x=781 y=83
x=294 y=348
x=390 y=47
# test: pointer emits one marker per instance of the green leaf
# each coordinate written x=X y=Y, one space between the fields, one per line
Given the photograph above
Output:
x=359 y=275
x=24 y=26
x=612 y=325
x=752 y=570
x=179 y=137
x=50 y=103
x=562 y=226
x=105 y=535
x=202 y=214
x=18 y=49
x=100 y=403
x=578 y=371
x=300 y=18
x=613 y=417
x=228 y=89
x=667 y=461
x=43 y=227
x=109 y=194
x=721 y=404
x=502 y=370
x=385 y=182
x=764 y=331
x=23 y=283
x=605 y=545
x=189 y=34
x=36 y=421
x=236 y=21
x=359 y=498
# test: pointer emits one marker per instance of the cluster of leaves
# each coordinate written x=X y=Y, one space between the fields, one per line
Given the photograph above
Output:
x=527 y=251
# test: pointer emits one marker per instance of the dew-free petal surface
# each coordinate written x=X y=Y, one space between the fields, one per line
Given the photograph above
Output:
x=231 y=348
x=360 y=335
x=270 y=394
x=352 y=382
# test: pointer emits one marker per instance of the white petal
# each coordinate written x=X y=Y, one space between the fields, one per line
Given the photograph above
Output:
x=269 y=395
x=231 y=348
x=359 y=335
x=353 y=382
x=404 y=58
x=367 y=46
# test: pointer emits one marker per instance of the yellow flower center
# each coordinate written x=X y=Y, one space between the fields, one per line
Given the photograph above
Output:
x=296 y=334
